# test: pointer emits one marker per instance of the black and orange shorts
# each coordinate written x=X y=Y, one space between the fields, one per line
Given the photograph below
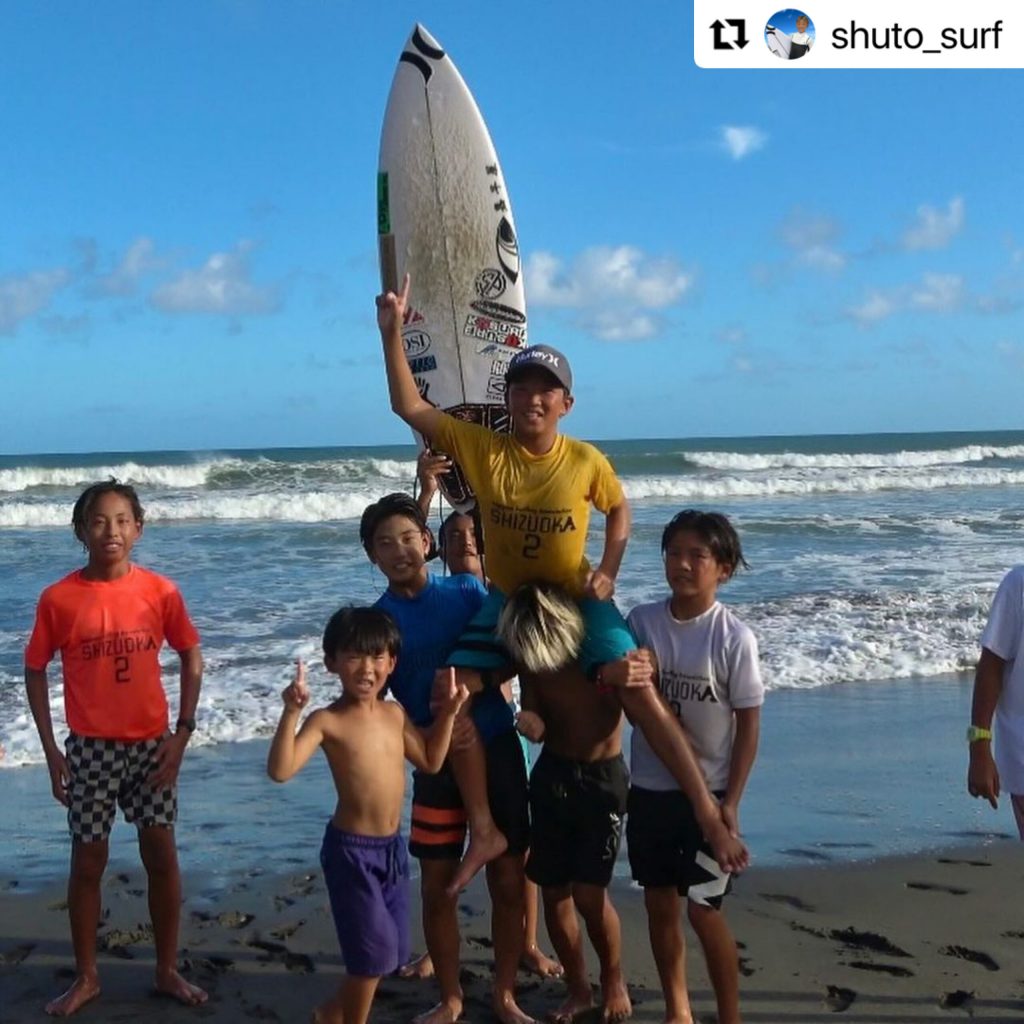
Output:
x=439 y=819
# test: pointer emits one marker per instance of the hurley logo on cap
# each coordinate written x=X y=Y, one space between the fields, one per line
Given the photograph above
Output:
x=545 y=357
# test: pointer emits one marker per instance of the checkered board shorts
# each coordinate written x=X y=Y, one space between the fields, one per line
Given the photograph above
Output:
x=105 y=773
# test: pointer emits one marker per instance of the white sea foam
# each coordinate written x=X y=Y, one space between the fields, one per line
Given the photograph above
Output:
x=298 y=507
x=814 y=483
x=280 y=502
x=196 y=474
x=744 y=462
x=240 y=700
x=807 y=641
x=392 y=469
x=206 y=473
x=814 y=640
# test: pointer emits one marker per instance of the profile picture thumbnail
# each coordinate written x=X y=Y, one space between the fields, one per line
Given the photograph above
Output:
x=789 y=34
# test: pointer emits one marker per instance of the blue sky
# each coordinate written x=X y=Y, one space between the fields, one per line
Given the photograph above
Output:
x=188 y=257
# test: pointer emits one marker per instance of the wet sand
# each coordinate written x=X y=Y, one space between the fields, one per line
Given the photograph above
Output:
x=936 y=936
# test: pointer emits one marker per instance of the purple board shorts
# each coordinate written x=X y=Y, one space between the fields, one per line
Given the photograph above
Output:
x=368 y=884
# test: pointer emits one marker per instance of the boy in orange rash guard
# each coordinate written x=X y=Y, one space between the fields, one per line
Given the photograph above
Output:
x=109 y=621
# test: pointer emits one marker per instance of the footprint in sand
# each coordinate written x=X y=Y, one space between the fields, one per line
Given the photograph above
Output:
x=234 y=919
x=805 y=854
x=790 y=901
x=952 y=890
x=286 y=931
x=956 y=1000
x=257 y=1011
x=298 y=962
x=869 y=941
x=117 y=940
x=838 y=999
x=971 y=955
x=891 y=969
x=818 y=933
x=271 y=948
x=15 y=955
x=209 y=964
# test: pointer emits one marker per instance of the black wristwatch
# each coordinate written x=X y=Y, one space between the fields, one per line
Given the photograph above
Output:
x=186 y=723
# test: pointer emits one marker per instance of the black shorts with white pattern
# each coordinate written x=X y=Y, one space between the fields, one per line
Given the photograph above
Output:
x=107 y=773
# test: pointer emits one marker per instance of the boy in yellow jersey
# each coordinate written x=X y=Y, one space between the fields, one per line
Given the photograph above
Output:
x=534 y=488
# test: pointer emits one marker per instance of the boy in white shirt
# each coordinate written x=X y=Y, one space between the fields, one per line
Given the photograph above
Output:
x=999 y=696
x=709 y=675
x=800 y=42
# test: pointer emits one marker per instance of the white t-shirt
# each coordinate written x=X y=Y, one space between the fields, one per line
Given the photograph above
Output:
x=803 y=39
x=708 y=667
x=1004 y=637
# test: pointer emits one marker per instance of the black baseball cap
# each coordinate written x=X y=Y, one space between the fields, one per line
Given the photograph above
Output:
x=544 y=356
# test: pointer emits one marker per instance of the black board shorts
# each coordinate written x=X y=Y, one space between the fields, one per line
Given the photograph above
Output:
x=439 y=818
x=576 y=809
x=667 y=848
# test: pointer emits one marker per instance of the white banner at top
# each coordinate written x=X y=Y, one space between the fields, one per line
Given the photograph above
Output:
x=831 y=34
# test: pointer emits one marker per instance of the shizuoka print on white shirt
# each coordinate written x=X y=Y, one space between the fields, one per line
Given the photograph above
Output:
x=707 y=668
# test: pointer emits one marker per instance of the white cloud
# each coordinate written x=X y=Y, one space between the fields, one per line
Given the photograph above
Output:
x=613 y=325
x=606 y=274
x=222 y=285
x=139 y=258
x=614 y=288
x=938 y=292
x=812 y=236
x=997 y=304
x=22 y=295
x=734 y=335
x=875 y=307
x=740 y=141
x=1012 y=352
x=934 y=229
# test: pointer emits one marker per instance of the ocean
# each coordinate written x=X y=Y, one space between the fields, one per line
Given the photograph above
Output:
x=873 y=559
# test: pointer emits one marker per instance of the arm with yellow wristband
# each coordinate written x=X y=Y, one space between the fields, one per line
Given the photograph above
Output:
x=982 y=774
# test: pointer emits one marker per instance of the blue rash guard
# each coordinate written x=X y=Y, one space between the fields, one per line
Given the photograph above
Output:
x=430 y=624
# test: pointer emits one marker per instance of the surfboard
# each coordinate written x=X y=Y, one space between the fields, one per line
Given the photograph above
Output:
x=778 y=41
x=444 y=217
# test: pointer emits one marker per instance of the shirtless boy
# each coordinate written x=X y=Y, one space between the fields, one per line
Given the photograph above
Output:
x=366 y=741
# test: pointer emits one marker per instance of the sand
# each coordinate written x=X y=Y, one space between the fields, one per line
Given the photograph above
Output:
x=936 y=936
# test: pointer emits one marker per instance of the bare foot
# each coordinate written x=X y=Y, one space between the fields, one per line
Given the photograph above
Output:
x=615 y=999
x=419 y=967
x=506 y=1010
x=327 y=1013
x=577 y=1003
x=538 y=962
x=82 y=990
x=446 y=1012
x=482 y=850
x=172 y=984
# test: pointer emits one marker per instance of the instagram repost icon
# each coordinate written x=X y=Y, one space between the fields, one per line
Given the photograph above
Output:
x=789 y=34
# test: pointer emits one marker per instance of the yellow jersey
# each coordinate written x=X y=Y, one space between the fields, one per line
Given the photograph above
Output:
x=535 y=509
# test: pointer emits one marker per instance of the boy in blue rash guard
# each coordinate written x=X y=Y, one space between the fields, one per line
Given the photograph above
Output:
x=431 y=613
